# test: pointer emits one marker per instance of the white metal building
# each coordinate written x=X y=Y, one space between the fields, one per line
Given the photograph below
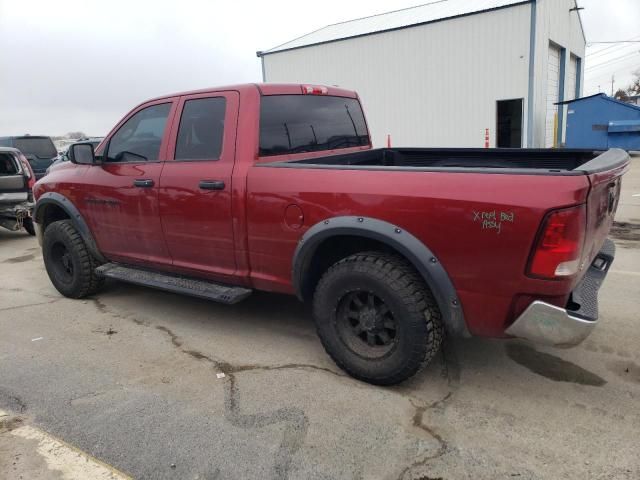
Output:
x=439 y=74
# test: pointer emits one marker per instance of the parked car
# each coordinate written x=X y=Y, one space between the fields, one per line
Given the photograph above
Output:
x=39 y=151
x=16 y=199
x=64 y=156
x=219 y=192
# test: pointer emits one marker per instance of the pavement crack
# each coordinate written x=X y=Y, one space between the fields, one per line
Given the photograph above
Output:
x=450 y=371
x=174 y=338
x=295 y=419
x=12 y=402
x=17 y=307
x=20 y=259
x=418 y=422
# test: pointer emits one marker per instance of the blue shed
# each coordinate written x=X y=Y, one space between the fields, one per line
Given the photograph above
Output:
x=601 y=122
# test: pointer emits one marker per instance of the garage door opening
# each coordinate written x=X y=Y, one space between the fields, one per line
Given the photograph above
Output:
x=509 y=126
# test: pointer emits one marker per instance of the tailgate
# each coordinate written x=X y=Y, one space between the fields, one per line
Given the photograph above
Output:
x=605 y=176
x=12 y=182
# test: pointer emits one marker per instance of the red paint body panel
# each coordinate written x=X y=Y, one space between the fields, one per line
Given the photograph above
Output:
x=486 y=268
x=245 y=234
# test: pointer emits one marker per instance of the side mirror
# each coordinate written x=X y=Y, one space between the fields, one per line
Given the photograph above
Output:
x=82 y=154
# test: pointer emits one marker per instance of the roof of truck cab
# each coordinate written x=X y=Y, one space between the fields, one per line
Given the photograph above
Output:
x=263 y=89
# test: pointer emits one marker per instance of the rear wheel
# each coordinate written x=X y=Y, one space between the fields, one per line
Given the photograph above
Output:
x=377 y=318
x=27 y=223
x=69 y=264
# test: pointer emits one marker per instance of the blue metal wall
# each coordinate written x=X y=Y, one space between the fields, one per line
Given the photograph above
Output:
x=600 y=122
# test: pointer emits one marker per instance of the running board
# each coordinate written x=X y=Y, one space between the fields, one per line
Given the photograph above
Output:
x=172 y=283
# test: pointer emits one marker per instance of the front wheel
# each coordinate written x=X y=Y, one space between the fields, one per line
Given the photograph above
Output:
x=69 y=263
x=377 y=318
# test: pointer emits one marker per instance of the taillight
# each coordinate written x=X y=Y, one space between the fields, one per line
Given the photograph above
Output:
x=26 y=168
x=559 y=245
x=314 y=90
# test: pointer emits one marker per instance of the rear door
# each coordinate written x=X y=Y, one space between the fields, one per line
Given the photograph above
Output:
x=120 y=197
x=196 y=185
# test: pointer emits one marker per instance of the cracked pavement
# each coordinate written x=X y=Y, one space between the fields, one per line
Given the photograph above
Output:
x=134 y=378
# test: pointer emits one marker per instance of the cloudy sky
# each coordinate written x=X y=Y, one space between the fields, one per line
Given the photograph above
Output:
x=68 y=65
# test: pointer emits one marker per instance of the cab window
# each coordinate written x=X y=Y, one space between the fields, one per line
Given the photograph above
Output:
x=140 y=137
x=201 y=129
x=310 y=123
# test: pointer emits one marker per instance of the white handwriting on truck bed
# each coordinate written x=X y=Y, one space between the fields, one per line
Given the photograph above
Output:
x=493 y=219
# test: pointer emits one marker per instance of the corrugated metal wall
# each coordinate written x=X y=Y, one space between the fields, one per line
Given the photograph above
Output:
x=430 y=85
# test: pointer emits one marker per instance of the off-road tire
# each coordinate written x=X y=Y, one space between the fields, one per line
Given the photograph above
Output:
x=27 y=224
x=75 y=277
x=409 y=301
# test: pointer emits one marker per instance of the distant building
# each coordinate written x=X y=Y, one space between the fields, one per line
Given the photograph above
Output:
x=634 y=100
x=600 y=122
x=439 y=74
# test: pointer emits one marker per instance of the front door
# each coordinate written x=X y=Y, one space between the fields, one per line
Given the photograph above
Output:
x=195 y=186
x=121 y=199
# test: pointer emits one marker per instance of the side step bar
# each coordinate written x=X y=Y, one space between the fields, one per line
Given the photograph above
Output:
x=176 y=284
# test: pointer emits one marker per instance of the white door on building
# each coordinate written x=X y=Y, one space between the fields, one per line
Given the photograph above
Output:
x=553 y=93
x=570 y=92
x=572 y=77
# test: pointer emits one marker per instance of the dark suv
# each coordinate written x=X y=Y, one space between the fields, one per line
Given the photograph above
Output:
x=39 y=150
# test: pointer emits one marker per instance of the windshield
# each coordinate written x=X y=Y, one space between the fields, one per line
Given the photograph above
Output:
x=308 y=123
x=41 y=147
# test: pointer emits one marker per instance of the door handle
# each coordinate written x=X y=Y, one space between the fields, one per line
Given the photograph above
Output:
x=143 y=182
x=212 y=185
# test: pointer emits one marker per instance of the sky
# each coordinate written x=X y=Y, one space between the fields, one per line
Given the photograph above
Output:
x=69 y=65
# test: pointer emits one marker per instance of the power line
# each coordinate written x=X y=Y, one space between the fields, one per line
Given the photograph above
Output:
x=617 y=41
x=599 y=76
x=627 y=56
x=593 y=78
x=612 y=60
x=614 y=46
x=614 y=49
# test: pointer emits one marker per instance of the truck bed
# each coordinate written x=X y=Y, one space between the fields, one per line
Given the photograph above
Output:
x=513 y=161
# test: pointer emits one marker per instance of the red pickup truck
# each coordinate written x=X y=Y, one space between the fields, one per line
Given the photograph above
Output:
x=219 y=192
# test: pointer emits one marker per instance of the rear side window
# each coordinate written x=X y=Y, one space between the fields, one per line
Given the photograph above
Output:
x=139 y=138
x=38 y=146
x=309 y=123
x=201 y=129
x=8 y=166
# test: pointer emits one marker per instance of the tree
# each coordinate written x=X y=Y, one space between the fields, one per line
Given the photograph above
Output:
x=76 y=135
x=621 y=95
x=634 y=88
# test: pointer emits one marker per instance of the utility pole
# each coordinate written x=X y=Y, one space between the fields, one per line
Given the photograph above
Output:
x=612 y=80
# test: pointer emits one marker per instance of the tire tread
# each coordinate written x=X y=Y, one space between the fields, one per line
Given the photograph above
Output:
x=90 y=281
x=405 y=282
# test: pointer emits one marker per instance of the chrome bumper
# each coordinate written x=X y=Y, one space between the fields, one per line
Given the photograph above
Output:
x=548 y=324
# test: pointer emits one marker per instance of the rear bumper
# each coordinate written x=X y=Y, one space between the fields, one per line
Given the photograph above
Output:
x=548 y=324
x=14 y=197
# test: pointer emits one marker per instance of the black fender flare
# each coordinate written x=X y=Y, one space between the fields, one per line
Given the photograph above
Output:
x=400 y=240
x=74 y=215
